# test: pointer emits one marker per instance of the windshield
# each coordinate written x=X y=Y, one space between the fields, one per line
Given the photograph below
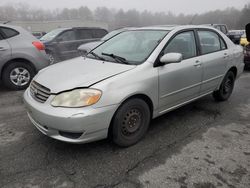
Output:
x=51 y=35
x=132 y=47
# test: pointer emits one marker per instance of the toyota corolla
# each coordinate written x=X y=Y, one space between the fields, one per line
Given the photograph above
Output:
x=130 y=79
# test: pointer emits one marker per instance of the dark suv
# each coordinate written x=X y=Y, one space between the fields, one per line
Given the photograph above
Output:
x=62 y=43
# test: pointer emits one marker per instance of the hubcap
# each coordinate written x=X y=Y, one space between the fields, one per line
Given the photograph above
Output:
x=20 y=76
x=51 y=59
x=131 y=122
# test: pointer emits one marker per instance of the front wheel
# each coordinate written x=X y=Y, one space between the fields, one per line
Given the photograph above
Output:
x=130 y=122
x=17 y=75
x=226 y=87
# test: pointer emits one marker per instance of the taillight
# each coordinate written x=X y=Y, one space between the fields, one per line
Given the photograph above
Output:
x=38 y=45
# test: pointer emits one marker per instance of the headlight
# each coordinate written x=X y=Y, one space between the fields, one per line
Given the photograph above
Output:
x=77 y=98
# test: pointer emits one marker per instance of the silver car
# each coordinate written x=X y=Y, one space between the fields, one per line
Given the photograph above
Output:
x=21 y=57
x=130 y=79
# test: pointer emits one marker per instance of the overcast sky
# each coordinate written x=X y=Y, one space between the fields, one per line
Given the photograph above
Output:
x=175 y=6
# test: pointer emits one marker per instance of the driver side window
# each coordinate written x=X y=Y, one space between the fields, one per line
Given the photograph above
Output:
x=183 y=43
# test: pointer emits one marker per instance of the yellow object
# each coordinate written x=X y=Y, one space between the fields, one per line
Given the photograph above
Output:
x=243 y=41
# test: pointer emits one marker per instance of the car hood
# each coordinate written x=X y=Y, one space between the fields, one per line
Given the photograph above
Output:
x=78 y=72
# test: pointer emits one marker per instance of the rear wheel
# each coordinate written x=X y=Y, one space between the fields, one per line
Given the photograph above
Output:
x=226 y=87
x=52 y=58
x=130 y=122
x=17 y=75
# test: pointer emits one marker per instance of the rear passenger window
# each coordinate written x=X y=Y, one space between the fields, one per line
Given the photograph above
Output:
x=183 y=43
x=84 y=34
x=99 y=33
x=8 y=32
x=223 y=29
x=210 y=42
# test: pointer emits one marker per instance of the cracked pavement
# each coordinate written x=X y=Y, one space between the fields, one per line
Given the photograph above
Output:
x=203 y=145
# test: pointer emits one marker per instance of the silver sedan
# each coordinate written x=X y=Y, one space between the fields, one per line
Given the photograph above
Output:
x=130 y=79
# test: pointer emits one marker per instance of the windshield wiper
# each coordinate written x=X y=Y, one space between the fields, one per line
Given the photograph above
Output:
x=117 y=58
x=97 y=56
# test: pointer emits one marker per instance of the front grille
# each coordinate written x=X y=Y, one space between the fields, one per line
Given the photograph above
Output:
x=39 y=92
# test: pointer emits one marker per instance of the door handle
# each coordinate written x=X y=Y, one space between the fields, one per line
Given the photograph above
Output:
x=197 y=63
x=226 y=55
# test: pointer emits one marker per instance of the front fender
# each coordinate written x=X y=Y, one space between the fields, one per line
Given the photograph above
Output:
x=141 y=80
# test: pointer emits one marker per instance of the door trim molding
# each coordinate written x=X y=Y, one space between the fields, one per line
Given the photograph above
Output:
x=180 y=90
x=182 y=104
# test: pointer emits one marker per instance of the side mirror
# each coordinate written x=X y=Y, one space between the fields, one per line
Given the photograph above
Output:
x=171 y=58
x=83 y=50
x=248 y=32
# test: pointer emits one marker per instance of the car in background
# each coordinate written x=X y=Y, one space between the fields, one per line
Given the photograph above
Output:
x=221 y=27
x=235 y=35
x=87 y=47
x=38 y=34
x=243 y=40
x=21 y=57
x=247 y=56
x=62 y=43
x=130 y=79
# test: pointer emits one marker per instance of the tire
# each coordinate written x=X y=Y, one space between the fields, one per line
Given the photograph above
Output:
x=17 y=75
x=130 y=122
x=226 y=87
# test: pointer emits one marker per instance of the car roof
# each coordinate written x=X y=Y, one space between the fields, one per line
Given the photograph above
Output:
x=88 y=28
x=214 y=24
x=11 y=26
x=174 y=27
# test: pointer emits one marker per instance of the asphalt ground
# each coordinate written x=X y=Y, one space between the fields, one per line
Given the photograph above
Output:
x=204 y=144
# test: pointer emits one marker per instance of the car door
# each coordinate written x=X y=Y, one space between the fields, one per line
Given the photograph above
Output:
x=180 y=82
x=5 y=50
x=214 y=55
x=67 y=44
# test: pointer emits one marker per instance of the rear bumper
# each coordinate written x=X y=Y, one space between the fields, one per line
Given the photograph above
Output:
x=41 y=60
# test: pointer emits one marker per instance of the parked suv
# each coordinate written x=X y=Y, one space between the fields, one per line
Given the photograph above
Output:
x=21 y=56
x=62 y=43
x=87 y=47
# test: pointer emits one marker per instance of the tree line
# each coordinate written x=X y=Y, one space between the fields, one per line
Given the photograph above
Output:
x=234 y=18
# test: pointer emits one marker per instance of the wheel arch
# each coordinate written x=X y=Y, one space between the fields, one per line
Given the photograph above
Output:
x=144 y=97
x=234 y=70
x=17 y=60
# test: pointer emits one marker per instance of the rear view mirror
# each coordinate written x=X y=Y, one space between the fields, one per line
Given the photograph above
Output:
x=248 y=32
x=171 y=58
